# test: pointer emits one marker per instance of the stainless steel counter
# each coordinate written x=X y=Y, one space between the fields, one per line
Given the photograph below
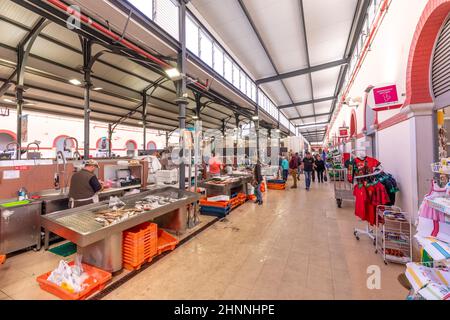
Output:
x=94 y=240
x=227 y=188
x=20 y=226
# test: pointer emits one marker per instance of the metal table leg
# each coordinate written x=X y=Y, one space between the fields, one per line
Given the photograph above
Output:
x=46 y=239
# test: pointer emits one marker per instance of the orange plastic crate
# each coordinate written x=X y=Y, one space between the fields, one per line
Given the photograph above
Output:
x=96 y=282
x=140 y=245
x=219 y=204
x=166 y=241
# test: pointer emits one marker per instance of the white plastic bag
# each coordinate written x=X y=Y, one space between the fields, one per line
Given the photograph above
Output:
x=115 y=203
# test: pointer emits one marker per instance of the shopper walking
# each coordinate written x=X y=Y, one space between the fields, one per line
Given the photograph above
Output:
x=319 y=165
x=285 y=168
x=308 y=168
x=293 y=167
x=258 y=181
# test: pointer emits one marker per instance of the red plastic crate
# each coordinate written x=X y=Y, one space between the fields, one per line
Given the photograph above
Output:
x=166 y=241
x=140 y=245
x=97 y=281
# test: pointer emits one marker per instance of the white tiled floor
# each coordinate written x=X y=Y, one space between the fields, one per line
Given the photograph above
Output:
x=298 y=245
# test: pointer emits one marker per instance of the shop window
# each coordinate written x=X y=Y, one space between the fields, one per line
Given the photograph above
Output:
x=206 y=48
x=192 y=35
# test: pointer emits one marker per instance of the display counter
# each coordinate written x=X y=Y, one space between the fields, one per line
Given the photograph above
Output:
x=100 y=244
x=227 y=185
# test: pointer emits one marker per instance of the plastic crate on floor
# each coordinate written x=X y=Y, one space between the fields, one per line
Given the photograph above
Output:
x=216 y=212
x=140 y=245
x=166 y=241
x=96 y=281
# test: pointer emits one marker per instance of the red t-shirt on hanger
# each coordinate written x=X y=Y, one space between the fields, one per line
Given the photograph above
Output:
x=361 y=198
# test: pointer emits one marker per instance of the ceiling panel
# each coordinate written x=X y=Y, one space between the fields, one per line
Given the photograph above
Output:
x=15 y=12
x=276 y=91
x=13 y=36
x=328 y=24
x=53 y=52
x=306 y=110
x=299 y=87
x=323 y=107
x=280 y=26
x=227 y=17
x=63 y=35
x=324 y=82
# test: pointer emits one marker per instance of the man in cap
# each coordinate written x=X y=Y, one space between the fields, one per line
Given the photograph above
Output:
x=84 y=186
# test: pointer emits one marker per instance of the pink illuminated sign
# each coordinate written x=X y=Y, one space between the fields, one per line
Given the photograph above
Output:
x=385 y=95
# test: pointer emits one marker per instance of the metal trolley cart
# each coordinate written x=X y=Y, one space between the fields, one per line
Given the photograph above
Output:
x=343 y=190
x=393 y=233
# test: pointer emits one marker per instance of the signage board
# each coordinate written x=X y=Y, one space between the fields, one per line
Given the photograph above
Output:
x=385 y=98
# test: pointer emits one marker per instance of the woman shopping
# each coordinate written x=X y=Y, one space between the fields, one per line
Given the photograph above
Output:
x=319 y=166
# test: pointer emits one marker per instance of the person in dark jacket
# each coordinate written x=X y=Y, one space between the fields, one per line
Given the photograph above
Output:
x=258 y=180
x=308 y=168
x=84 y=186
x=319 y=165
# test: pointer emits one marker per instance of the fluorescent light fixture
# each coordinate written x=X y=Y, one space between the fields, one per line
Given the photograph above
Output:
x=313 y=125
x=195 y=117
x=97 y=89
x=75 y=82
x=140 y=122
x=173 y=73
x=8 y=100
x=255 y=118
x=278 y=130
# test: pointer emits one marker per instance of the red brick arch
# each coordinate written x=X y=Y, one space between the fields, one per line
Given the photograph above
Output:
x=420 y=56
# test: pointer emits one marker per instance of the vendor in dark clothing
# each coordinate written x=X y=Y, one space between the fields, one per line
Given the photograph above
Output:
x=84 y=186
x=319 y=165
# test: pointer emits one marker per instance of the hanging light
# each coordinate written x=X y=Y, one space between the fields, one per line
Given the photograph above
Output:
x=173 y=73
x=75 y=82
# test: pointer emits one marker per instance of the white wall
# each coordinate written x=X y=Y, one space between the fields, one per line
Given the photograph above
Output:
x=46 y=128
x=387 y=60
x=394 y=152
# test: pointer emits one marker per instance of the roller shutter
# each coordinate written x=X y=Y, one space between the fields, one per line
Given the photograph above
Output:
x=441 y=63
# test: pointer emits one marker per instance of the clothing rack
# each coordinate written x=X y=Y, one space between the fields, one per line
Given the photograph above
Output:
x=370 y=233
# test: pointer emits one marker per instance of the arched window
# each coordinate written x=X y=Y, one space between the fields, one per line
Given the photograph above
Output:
x=58 y=144
x=6 y=137
x=131 y=147
x=103 y=144
x=151 y=145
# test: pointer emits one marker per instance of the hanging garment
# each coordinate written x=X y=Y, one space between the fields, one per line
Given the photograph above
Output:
x=370 y=206
x=361 y=198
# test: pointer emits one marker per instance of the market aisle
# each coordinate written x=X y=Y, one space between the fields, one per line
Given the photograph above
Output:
x=298 y=245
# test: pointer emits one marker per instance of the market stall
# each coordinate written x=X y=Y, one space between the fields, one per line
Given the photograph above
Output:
x=97 y=229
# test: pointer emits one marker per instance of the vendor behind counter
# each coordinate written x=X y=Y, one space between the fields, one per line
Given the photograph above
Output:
x=84 y=186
